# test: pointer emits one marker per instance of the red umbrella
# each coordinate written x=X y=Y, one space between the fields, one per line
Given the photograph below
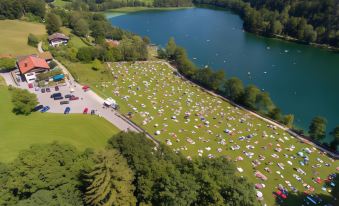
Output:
x=279 y=192
x=283 y=196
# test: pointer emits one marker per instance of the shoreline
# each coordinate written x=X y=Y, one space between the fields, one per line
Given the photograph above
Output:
x=126 y=10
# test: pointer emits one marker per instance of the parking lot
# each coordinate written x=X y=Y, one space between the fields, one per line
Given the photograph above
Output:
x=76 y=106
x=87 y=99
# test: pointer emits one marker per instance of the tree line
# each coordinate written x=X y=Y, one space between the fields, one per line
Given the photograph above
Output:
x=232 y=88
x=310 y=21
x=83 y=24
x=251 y=97
x=129 y=171
x=15 y=9
x=102 y=5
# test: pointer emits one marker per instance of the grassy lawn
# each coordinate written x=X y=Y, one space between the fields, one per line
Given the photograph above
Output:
x=19 y=132
x=159 y=101
x=60 y=3
x=13 y=36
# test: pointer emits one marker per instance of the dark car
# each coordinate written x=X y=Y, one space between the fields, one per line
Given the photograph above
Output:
x=67 y=110
x=68 y=96
x=56 y=88
x=92 y=112
x=45 y=109
x=72 y=98
x=58 y=98
x=64 y=102
x=43 y=90
x=48 y=90
x=56 y=95
x=37 y=108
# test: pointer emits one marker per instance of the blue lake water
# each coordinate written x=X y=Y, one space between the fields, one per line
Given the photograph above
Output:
x=302 y=80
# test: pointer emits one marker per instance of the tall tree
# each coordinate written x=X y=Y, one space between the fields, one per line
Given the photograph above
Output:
x=23 y=101
x=317 y=129
x=170 y=48
x=335 y=135
x=81 y=27
x=234 y=89
x=250 y=96
x=53 y=23
x=110 y=181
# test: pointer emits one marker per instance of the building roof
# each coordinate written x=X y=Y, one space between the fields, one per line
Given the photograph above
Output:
x=57 y=36
x=45 y=55
x=112 y=43
x=31 y=62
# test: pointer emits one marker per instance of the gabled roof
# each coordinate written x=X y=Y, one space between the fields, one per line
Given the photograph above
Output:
x=45 y=55
x=57 y=36
x=31 y=62
x=112 y=43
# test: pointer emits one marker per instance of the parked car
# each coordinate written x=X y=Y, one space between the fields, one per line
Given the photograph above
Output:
x=85 y=111
x=64 y=102
x=92 y=112
x=56 y=95
x=67 y=110
x=58 y=98
x=43 y=90
x=72 y=98
x=68 y=95
x=30 y=85
x=37 y=89
x=45 y=109
x=37 y=108
x=56 y=88
x=48 y=90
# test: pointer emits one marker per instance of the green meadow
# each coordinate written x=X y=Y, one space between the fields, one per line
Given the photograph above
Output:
x=193 y=122
x=19 y=132
x=13 y=36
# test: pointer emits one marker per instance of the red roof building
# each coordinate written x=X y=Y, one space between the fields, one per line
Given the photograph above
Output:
x=31 y=63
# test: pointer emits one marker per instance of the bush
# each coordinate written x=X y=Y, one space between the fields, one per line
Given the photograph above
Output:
x=7 y=64
x=33 y=40
x=85 y=54
x=23 y=101
x=52 y=64
x=96 y=65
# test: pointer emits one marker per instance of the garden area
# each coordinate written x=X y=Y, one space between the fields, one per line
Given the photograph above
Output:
x=19 y=132
x=195 y=123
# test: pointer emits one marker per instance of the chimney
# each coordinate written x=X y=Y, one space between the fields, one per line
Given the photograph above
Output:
x=25 y=64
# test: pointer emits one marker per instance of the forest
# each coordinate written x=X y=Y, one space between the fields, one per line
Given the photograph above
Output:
x=308 y=21
x=131 y=170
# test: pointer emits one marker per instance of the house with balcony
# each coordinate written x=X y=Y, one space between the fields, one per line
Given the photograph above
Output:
x=30 y=66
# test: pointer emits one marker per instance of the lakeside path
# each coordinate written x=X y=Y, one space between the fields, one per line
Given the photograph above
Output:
x=286 y=129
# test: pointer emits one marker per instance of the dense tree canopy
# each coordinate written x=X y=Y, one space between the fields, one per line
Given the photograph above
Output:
x=23 y=101
x=53 y=23
x=14 y=9
x=317 y=129
x=335 y=135
x=44 y=175
x=110 y=181
x=306 y=20
x=165 y=178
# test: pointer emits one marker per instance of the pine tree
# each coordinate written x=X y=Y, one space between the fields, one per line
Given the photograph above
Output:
x=110 y=181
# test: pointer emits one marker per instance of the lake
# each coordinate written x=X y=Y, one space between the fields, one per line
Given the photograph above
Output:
x=301 y=79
